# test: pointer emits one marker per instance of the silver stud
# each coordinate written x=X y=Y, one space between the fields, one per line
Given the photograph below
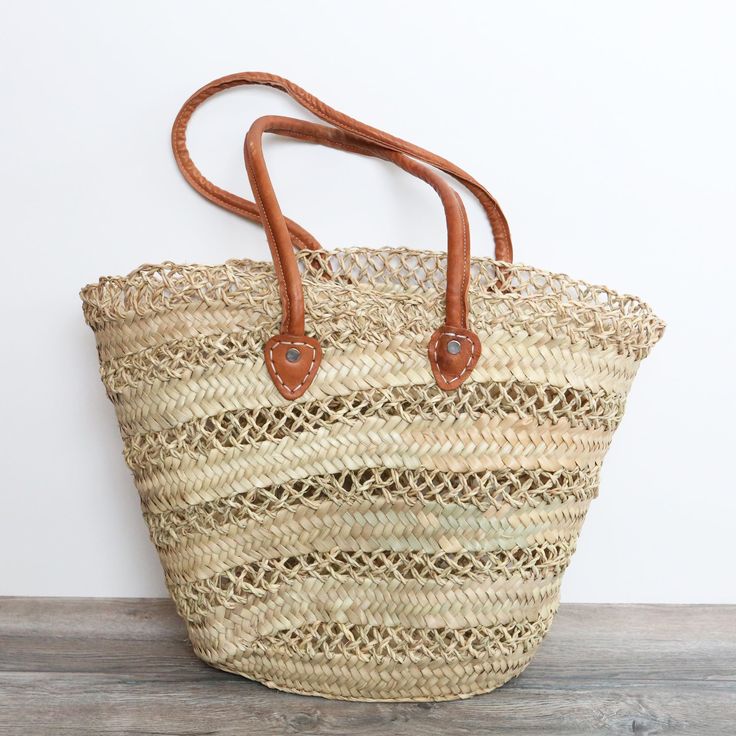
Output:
x=453 y=347
x=292 y=355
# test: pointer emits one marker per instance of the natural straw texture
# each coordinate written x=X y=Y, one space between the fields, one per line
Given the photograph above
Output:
x=377 y=538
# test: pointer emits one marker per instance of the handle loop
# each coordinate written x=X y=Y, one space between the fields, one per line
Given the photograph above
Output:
x=292 y=358
x=301 y=238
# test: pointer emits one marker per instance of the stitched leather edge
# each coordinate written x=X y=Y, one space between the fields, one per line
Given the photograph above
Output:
x=453 y=381
x=275 y=369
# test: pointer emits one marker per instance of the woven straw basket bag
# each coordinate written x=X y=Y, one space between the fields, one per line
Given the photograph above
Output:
x=364 y=471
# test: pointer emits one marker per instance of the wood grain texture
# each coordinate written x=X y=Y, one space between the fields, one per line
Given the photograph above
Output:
x=82 y=667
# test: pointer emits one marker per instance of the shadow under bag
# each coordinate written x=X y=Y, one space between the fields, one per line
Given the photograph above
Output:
x=364 y=471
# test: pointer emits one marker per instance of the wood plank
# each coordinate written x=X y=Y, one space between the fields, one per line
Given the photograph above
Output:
x=80 y=666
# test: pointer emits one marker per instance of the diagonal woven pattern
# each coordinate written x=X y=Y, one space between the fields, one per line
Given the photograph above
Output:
x=376 y=538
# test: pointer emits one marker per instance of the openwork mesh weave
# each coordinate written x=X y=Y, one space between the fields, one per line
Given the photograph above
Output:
x=377 y=538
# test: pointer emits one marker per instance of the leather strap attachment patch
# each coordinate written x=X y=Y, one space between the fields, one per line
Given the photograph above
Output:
x=292 y=362
x=453 y=353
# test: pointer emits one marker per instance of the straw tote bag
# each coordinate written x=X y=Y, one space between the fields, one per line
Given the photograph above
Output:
x=364 y=471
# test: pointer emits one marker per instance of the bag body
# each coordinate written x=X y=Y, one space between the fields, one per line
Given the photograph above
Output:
x=398 y=529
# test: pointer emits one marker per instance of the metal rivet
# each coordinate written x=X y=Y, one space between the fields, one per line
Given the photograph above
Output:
x=453 y=347
x=292 y=355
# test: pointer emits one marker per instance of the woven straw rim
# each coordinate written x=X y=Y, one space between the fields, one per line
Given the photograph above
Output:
x=385 y=270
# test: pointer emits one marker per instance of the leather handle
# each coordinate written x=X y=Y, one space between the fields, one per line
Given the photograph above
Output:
x=293 y=358
x=246 y=208
x=201 y=184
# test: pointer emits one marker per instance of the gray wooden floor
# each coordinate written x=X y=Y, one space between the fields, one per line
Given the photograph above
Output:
x=80 y=666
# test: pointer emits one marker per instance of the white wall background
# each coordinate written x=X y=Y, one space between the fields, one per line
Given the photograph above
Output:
x=606 y=130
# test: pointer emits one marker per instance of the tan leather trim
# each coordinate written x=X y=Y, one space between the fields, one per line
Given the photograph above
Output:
x=451 y=370
x=458 y=235
x=292 y=377
x=248 y=209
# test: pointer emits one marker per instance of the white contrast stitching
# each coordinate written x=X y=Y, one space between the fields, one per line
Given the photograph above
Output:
x=467 y=365
x=271 y=361
x=466 y=269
